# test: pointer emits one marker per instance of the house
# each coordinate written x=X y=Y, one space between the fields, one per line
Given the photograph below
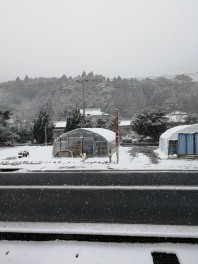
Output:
x=94 y=114
x=125 y=128
x=19 y=124
x=92 y=141
x=59 y=128
x=176 y=117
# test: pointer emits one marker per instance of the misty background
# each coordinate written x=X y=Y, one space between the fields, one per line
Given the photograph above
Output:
x=128 y=38
x=135 y=53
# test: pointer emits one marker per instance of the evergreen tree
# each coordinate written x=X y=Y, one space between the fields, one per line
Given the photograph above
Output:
x=150 y=123
x=111 y=124
x=18 y=79
x=87 y=123
x=6 y=134
x=90 y=75
x=26 y=79
x=101 y=123
x=191 y=119
x=84 y=74
x=75 y=120
x=40 y=124
x=25 y=135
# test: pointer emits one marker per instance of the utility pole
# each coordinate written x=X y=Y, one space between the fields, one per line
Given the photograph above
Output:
x=117 y=134
x=45 y=136
x=82 y=81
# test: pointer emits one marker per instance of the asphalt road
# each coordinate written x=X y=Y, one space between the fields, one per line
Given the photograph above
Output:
x=100 y=197
x=103 y=178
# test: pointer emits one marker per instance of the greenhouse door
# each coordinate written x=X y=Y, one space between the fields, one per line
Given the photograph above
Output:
x=88 y=146
x=80 y=145
x=101 y=148
x=75 y=146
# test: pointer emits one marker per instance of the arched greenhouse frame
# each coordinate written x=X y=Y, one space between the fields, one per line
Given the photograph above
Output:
x=92 y=141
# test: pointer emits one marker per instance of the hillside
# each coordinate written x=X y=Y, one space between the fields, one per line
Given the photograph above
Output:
x=59 y=95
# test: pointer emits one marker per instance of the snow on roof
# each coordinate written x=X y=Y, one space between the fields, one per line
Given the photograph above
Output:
x=125 y=123
x=107 y=134
x=173 y=132
x=10 y=121
x=60 y=124
x=93 y=112
x=178 y=113
x=176 y=116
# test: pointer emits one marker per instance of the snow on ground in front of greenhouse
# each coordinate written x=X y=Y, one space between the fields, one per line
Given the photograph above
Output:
x=41 y=159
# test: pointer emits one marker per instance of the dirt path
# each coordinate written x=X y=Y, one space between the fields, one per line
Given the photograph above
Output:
x=147 y=151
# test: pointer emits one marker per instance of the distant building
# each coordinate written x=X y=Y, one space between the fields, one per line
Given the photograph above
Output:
x=19 y=124
x=176 y=117
x=125 y=128
x=59 y=128
x=10 y=123
x=94 y=114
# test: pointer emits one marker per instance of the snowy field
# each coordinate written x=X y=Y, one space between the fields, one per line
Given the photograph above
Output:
x=69 y=252
x=41 y=159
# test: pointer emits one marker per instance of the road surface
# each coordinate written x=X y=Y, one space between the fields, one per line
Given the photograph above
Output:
x=161 y=198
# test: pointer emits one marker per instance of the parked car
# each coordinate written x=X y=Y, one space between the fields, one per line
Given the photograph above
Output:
x=22 y=154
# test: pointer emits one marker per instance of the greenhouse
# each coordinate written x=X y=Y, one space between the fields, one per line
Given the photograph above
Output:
x=91 y=141
x=168 y=142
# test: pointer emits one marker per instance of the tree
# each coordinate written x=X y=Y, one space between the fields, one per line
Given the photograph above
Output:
x=150 y=123
x=75 y=120
x=191 y=119
x=87 y=123
x=26 y=79
x=6 y=134
x=111 y=124
x=183 y=78
x=101 y=123
x=25 y=135
x=40 y=124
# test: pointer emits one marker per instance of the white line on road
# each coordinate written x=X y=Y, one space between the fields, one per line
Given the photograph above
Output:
x=109 y=187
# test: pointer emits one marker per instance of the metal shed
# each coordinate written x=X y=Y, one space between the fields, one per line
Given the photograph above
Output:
x=92 y=141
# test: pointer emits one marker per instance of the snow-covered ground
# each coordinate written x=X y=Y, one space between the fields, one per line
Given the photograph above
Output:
x=41 y=158
x=70 y=252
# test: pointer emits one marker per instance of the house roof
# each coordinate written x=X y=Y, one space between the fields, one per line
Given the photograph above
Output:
x=125 y=123
x=93 y=112
x=60 y=124
x=176 y=116
x=178 y=113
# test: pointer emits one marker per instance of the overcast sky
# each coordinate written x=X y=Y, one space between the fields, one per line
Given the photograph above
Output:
x=130 y=38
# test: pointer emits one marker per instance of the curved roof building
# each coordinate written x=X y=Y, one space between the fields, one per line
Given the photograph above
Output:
x=92 y=141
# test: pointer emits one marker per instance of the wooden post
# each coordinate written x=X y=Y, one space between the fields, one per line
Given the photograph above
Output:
x=45 y=136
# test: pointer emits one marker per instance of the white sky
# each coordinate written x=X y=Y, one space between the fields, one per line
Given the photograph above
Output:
x=130 y=38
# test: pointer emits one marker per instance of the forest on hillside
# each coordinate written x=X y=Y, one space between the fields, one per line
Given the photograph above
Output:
x=25 y=98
